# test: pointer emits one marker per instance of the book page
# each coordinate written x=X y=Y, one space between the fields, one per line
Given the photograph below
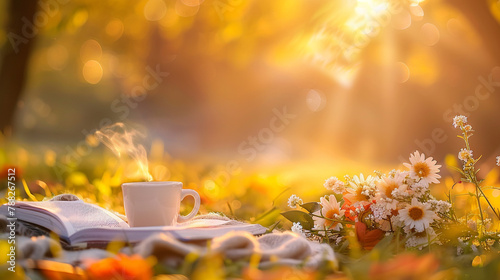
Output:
x=77 y=215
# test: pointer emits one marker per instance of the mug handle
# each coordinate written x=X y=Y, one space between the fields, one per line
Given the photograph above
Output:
x=196 y=206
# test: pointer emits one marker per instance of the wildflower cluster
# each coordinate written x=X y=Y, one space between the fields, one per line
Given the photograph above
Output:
x=398 y=201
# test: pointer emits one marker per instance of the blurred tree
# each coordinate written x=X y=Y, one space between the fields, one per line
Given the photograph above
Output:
x=480 y=16
x=15 y=57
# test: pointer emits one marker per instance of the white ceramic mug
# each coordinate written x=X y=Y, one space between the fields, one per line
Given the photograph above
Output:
x=156 y=203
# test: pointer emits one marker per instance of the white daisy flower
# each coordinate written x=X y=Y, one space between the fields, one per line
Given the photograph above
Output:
x=362 y=190
x=417 y=215
x=294 y=201
x=423 y=170
x=465 y=154
x=498 y=160
x=335 y=185
x=459 y=121
x=387 y=185
x=362 y=182
x=331 y=210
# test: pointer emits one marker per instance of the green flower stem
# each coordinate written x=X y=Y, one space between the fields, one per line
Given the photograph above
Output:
x=487 y=200
x=325 y=230
x=327 y=237
x=470 y=173
x=479 y=204
x=333 y=220
x=397 y=240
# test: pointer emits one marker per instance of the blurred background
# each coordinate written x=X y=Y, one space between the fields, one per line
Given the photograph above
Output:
x=235 y=97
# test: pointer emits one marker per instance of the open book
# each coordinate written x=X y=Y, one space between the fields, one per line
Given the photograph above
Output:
x=81 y=224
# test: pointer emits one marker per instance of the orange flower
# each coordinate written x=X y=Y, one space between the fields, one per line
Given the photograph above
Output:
x=349 y=212
x=368 y=238
x=287 y=273
x=405 y=266
x=8 y=170
x=122 y=267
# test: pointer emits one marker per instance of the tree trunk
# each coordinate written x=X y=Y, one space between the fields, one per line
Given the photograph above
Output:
x=15 y=58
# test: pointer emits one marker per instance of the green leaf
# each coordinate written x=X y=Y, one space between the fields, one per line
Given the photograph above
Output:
x=268 y=218
x=311 y=207
x=270 y=229
x=298 y=216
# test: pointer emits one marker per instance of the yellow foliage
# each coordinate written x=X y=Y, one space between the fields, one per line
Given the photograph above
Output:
x=477 y=261
x=28 y=192
x=210 y=268
x=76 y=179
x=114 y=247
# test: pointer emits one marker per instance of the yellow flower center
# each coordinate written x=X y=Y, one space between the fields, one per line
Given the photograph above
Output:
x=416 y=213
x=359 y=196
x=389 y=188
x=422 y=169
x=330 y=214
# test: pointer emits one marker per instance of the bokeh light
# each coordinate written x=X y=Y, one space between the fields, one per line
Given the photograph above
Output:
x=115 y=29
x=92 y=72
x=315 y=100
x=402 y=20
x=402 y=72
x=430 y=34
x=90 y=50
x=155 y=10
x=184 y=10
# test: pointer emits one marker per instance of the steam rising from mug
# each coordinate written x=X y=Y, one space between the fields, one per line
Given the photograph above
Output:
x=122 y=141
